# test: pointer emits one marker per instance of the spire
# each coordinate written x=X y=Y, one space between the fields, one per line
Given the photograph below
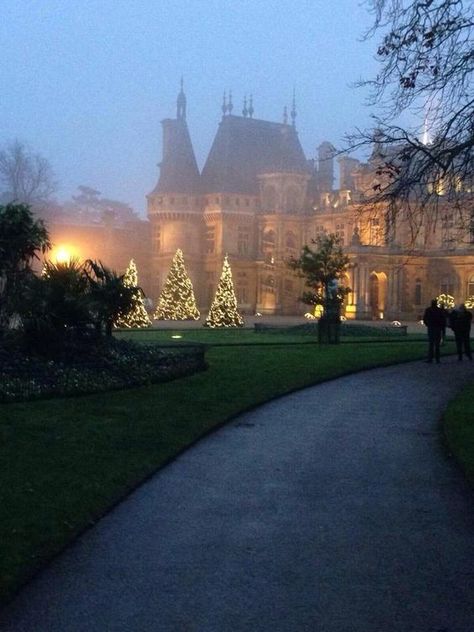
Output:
x=251 y=106
x=293 y=110
x=181 y=104
x=224 y=105
x=245 y=112
x=230 y=105
x=285 y=115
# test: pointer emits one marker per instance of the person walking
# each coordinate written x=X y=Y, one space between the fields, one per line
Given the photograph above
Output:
x=460 y=321
x=435 y=320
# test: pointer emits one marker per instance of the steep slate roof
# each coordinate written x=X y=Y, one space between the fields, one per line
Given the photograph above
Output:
x=179 y=172
x=244 y=148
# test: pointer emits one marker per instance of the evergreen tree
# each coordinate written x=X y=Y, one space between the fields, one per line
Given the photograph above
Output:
x=177 y=300
x=223 y=312
x=137 y=316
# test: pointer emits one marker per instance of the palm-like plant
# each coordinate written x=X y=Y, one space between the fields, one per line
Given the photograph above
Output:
x=108 y=296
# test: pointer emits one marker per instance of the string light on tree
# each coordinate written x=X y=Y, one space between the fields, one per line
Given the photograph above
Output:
x=223 y=312
x=137 y=317
x=445 y=301
x=177 y=301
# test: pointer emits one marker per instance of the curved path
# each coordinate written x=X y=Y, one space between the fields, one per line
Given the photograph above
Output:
x=334 y=509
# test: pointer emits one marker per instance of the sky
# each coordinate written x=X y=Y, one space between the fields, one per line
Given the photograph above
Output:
x=86 y=83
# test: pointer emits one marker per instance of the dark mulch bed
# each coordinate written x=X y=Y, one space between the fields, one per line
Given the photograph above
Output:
x=90 y=365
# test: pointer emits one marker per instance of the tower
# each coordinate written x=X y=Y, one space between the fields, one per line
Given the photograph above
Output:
x=174 y=204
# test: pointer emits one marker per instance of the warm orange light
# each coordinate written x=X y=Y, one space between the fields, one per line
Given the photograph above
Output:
x=63 y=254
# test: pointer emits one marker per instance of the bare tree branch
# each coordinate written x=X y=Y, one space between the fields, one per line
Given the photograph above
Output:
x=426 y=55
x=25 y=177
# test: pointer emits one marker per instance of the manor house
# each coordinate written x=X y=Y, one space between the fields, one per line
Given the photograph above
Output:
x=259 y=199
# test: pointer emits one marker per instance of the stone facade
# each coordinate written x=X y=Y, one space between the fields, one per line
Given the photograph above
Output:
x=259 y=200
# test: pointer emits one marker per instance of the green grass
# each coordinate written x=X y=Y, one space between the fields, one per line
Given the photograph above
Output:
x=66 y=461
x=296 y=335
x=458 y=423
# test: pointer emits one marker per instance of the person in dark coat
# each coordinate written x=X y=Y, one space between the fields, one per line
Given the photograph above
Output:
x=460 y=322
x=435 y=319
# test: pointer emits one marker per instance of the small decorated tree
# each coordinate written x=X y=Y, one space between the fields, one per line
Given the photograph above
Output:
x=177 y=301
x=223 y=312
x=446 y=301
x=323 y=267
x=137 y=316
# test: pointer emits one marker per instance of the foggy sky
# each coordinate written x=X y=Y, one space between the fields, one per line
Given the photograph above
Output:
x=87 y=83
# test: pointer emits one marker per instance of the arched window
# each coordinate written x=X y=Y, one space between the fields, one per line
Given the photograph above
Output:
x=470 y=285
x=269 y=284
x=269 y=237
x=447 y=285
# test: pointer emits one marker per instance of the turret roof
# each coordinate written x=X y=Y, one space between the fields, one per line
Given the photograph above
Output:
x=244 y=148
x=179 y=172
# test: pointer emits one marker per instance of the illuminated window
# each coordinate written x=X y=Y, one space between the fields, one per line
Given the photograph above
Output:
x=242 y=293
x=374 y=232
x=290 y=245
x=243 y=240
x=210 y=240
x=470 y=286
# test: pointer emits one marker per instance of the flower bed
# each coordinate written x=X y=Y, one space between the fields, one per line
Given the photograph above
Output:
x=93 y=367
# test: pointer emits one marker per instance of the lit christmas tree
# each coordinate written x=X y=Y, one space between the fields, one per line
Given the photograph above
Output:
x=177 y=300
x=223 y=312
x=137 y=316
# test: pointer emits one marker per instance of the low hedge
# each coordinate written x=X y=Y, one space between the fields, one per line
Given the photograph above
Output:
x=92 y=366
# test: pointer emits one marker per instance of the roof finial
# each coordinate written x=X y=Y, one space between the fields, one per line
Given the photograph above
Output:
x=230 y=107
x=181 y=103
x=285 y=115
x=293 y=110
x=251 y=106
x=245 y=111
x=224 y=105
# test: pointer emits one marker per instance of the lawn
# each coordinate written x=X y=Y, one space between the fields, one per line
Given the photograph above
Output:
x=458 y=424
x=302 y=334
x=67 y=461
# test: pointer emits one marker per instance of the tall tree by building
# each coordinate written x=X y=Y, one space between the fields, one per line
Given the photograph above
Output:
x=425 y=76
x=136 y=316
x=177 y=301
x=223 y=312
